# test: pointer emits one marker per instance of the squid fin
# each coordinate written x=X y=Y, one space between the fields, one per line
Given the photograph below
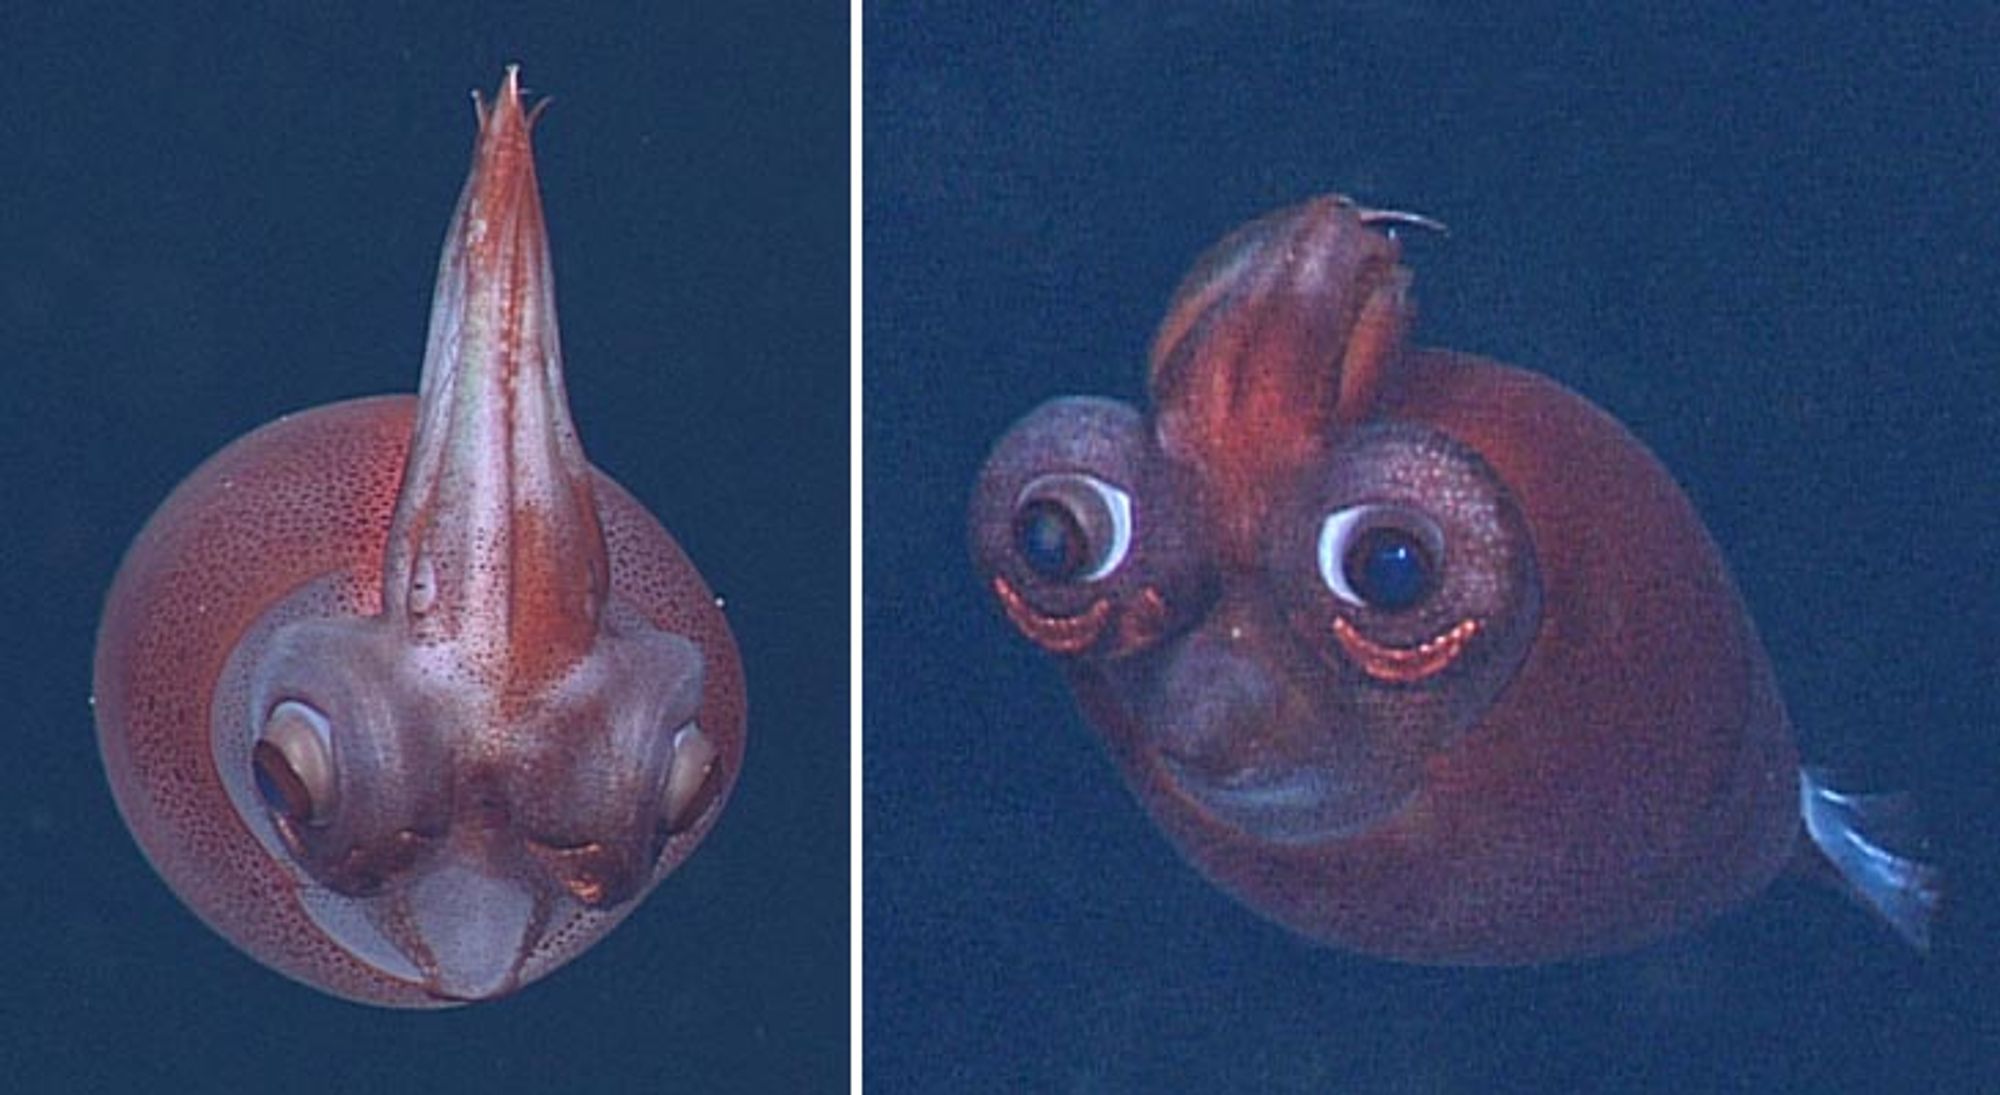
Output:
x=1865 y=838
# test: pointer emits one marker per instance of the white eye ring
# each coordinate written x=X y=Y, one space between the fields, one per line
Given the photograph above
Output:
x=1102 y=513
x=1337 y=534
x=1118 y=505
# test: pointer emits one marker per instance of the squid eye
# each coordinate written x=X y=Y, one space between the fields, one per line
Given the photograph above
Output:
x=293 y=762
x=1072 y=527
x=1381 y=557
x=687 y=771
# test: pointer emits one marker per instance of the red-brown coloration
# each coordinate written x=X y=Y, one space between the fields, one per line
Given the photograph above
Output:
x=1404 y=665
x=534 y=554
x=1135 y=628
x=306 y=496
x=1636 y=777
x=303 y=496
x=502 y=651
x=1142 y=624
x=1060 y=634
x=1566 y=741
x=1283 y=331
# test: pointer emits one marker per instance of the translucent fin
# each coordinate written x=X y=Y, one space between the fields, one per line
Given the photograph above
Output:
x=1866 y=837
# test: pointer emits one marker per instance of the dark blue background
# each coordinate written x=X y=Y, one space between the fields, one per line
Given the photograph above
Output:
x=212 y=219
x=1766 y=243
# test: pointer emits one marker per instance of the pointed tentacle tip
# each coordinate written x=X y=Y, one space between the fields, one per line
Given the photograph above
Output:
x=509 y=97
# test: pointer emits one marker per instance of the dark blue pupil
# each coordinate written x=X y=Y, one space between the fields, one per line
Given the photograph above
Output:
x=1049 y=539
x=1389 y=569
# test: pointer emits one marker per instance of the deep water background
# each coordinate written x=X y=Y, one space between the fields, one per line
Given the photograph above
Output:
x=1767 y=243
x=213 y=218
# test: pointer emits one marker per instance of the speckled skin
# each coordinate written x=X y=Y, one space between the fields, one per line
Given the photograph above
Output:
x=302 y=499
